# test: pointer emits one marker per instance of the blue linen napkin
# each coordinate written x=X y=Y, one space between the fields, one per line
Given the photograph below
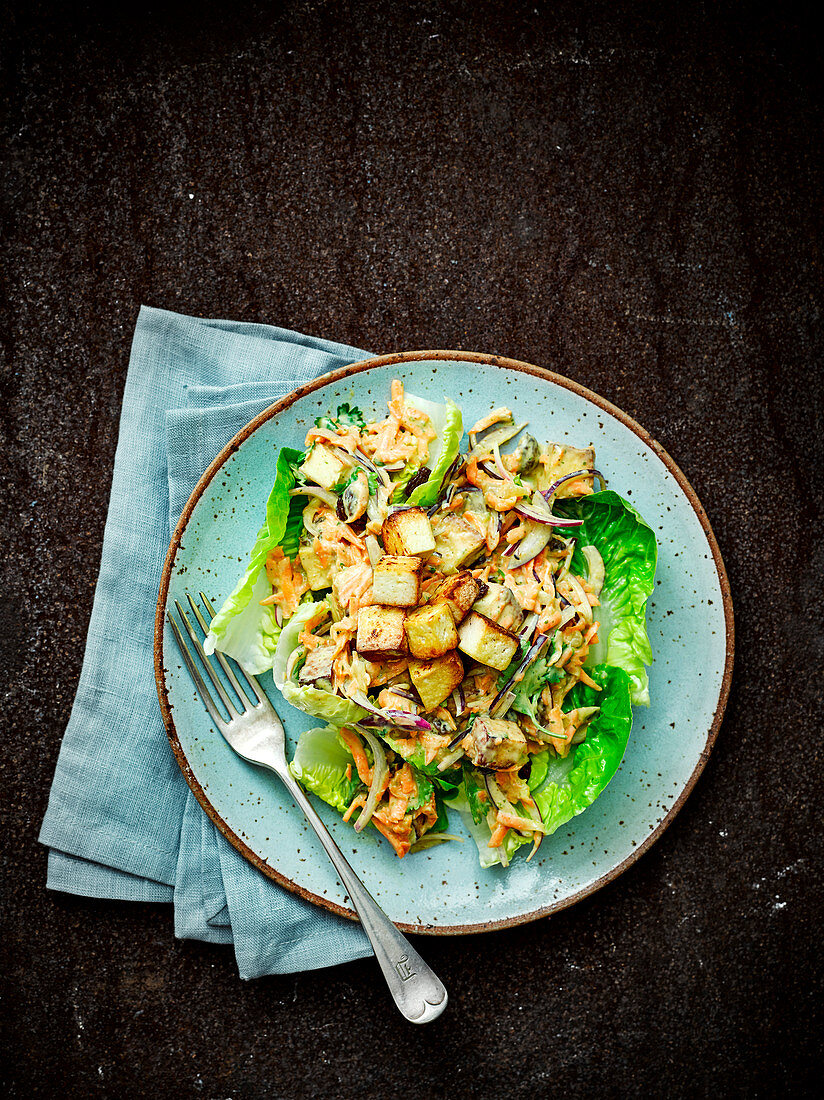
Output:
x=121 y=822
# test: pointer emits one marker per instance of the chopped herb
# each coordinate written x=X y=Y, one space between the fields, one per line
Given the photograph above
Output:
x=345 y=417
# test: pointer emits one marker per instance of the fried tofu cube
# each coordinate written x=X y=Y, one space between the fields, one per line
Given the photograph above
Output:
x=317 y=668
x=499 y=604
x=486 y=641
x=323 y=467
x=430 y=630
x=407 y=531
x=435 y=680
x=396 y=580
x=318 y=575
x=460 y=592
x=495 y=743
x=457 y=542
x=381 y=634
x=559 y=460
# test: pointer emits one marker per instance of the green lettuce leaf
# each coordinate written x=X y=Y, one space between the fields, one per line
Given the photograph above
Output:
x=627 y=545
x=319 y=765
x=448 y=424
x=474 y=811
x=481 y=833
x=323 y=704
x=242 y=628
x=572 y=784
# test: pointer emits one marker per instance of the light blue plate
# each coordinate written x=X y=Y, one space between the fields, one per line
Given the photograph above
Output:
x=444 y=891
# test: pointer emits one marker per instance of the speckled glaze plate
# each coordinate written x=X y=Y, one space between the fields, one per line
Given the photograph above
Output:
x=443 y=891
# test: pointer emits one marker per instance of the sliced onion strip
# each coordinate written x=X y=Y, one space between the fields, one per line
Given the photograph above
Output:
x=531 y=545
x=313 y=491
x=450 y=759
x=380 y=770
x=373 y=549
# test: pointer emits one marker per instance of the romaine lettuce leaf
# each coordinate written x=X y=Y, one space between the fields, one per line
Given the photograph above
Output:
x=323 y=704
x=319 y=765
x=482 y=834
x=627 y=545
x=448 y=424
x=474 y=810
x=242 y=628
x=573 y=783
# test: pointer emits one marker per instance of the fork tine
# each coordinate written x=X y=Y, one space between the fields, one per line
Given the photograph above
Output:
x=243 y=694
x=219 y=688
x=194 y=671
x=252 y=680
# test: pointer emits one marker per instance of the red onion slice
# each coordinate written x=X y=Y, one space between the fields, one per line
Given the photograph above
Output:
x=539 y=512
x=499 y=466
x=548 y=494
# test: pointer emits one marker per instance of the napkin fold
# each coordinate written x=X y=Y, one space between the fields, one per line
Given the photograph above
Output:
x=121 y=821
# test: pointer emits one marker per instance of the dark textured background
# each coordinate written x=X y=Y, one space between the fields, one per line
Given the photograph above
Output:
x=630 y=195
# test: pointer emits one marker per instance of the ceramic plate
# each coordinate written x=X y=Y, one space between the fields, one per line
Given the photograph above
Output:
x=443 y=890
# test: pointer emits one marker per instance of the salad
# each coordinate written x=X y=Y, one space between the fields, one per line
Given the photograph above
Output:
x=469 y=624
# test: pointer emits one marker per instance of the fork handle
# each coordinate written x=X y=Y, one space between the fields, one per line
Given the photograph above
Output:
x=416 y=990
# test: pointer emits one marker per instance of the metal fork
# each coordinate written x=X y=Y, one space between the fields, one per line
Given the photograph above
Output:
x=256 y=733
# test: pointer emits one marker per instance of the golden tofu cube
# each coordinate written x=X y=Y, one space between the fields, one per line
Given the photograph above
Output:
x=408 y=531
x=495 y=743
x=499 y=604
x=430 y=630
x=457 y=542
x=487 y=642
x=460 y=592
x=317 y=668
x=323 y=467
x=396 y=581
x=318 y=576
x=559 y=460
x=381 y=633
x=435 y=680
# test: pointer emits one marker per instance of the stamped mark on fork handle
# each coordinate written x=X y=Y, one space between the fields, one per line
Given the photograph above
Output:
x=402 y=967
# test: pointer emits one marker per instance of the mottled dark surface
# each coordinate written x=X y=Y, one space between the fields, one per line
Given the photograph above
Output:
x=630 y=196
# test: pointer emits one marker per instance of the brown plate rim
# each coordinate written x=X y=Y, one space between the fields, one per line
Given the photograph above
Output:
x=392 y=359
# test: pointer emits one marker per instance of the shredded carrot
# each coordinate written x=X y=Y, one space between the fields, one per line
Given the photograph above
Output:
x=499 y=495
x=585 y=678
x=401 y=846
x=512 y=821
x=358 y=800
x=349 y=772
x=496 y=416
x=498 y=835
x=353 y=743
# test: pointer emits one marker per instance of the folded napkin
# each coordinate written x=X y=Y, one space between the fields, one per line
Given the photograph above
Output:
x=121 y=821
